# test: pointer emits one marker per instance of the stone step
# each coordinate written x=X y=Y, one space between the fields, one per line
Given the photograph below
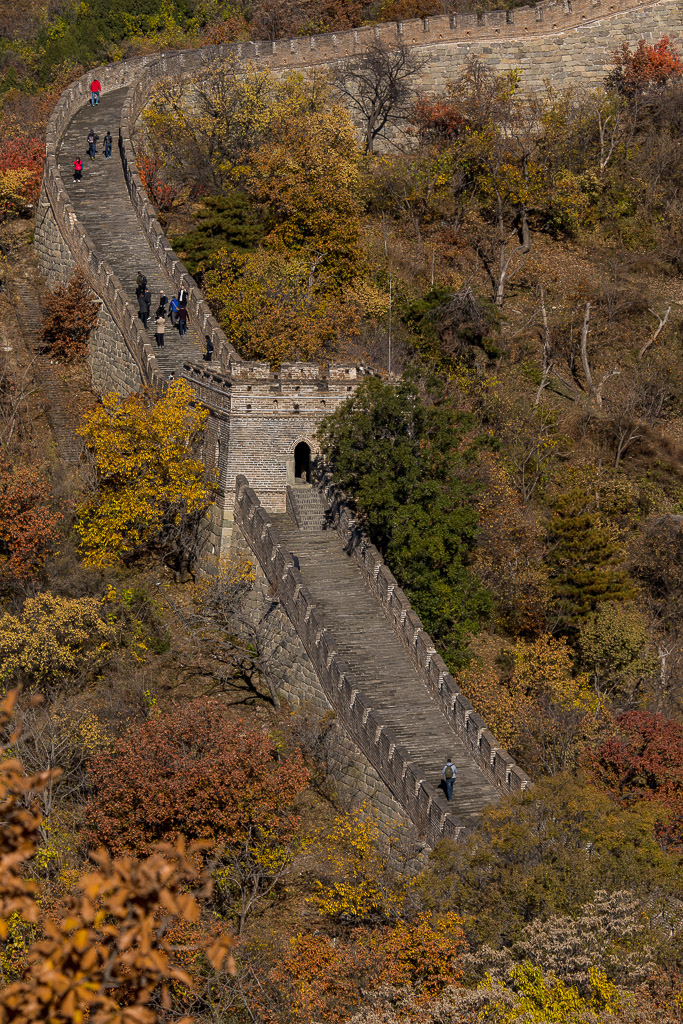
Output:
x=103 y=207
x=381 y=666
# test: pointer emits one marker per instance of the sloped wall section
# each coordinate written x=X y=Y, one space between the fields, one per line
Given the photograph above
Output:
x=562 y=42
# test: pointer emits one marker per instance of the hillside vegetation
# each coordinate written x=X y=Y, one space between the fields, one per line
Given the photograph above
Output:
x=519 y=261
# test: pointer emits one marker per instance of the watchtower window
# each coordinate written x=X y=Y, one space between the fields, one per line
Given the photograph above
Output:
x=302 y=462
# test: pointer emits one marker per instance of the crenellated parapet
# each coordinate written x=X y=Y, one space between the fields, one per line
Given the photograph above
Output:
x=561 y=42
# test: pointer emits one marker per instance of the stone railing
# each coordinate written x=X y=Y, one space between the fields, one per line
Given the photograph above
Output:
x=201 y=317
x=365 y=726
x=432 y=36
x=498 y=766
x=101 y=276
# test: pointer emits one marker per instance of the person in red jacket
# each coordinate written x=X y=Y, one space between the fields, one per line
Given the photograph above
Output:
x=95 y=90
x=78 y=168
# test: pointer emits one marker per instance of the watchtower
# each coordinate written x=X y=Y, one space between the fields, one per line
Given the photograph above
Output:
x=263 y=425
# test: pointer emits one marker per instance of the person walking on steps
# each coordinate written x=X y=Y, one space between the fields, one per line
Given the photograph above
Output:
x=181 y=317
x=78 y=169
x=209 y=348
x=163 y=300
x=161 y=325
x=448 y=775
x=92 y=143
x=95 y=90
x=107 y=144
x=145 y=304
x=140 y=284
x=173 y=308
x=182 y=297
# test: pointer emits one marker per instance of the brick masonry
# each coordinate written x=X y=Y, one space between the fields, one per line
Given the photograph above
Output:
x=565 y=42
x=292 y=676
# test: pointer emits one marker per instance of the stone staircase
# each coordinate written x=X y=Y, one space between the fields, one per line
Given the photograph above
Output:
x=305 y=508
x=381 y=666
x=103 y=207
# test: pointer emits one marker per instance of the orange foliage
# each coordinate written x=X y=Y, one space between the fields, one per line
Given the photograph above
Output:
x=195 y=772
x=324 y=979
x=110 y=954
x=436 y=119
x=28 y=524
x=161 y=194
x=21 y=171
x=647 y=65
x=71 y=312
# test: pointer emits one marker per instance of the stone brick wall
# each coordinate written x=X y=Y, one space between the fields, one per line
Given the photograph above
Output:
x=258 y=418
x=494 y=761
x=292 y=676
x=364 y=725
x=121 y=357
x=560 y=41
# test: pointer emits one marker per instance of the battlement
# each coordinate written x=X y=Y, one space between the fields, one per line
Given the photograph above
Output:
x=260 y=376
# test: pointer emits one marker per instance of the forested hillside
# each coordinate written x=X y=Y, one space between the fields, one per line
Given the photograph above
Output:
x=174 y=844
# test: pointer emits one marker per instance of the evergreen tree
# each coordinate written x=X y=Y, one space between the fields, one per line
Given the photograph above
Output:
x=226 y=222
x=405 y=461
x=582 y=560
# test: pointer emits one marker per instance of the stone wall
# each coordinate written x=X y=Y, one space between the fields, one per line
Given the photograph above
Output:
x=121 y=357
x=364 y=725
x=562 y=41
x=494 y=761
x=292 y=677
x=259 y=416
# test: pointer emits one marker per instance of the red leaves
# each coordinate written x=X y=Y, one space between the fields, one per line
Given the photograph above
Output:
x=196 y=772
x=161 y=193
x=22 y=154
x=643 y=760
x=646 y=66
x=28 y=524
x=436 y=120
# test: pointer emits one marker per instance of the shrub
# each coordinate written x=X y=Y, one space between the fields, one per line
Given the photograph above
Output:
x=194 y=772
x=70 y=315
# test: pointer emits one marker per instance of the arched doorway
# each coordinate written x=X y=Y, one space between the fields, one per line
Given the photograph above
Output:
x=302 y=463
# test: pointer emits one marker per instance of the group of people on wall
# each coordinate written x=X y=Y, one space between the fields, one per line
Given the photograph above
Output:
x=93 y=137
x=177 y=309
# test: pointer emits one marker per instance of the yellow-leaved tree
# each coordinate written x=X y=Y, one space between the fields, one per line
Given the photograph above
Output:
x=274 y=307
x=360 y=885
x=307 y=176
x=543 y=710
x=56 y=640
x=152 y=489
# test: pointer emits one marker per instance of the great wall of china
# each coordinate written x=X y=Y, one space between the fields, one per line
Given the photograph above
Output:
x=343 y=637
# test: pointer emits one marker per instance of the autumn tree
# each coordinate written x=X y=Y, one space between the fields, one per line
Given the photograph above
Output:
x=70 y=315
x=649 y=65
x=28 y=522
x=222 y=780
x=108 y=956
x=614 y=647
x=642 y=760
x=546 y=852
x=56 y=641
x=21 y=171
x=152 y=490
x=377 y=87
x=538 y=705
x=277 y=306
x=306 y=175
x=509 y=553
